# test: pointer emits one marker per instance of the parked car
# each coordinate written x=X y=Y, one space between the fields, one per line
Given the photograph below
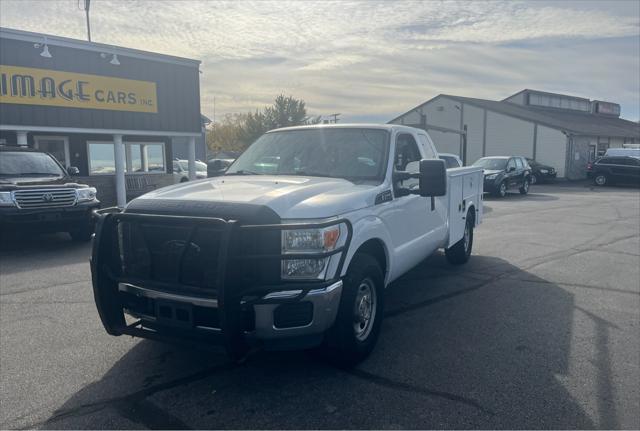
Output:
x=181 y=170
x=541 y=173
x=502 y=173
x=611 y=170
x=295 y=258
x=451 y=160
x=38 y=194
x=217 y=167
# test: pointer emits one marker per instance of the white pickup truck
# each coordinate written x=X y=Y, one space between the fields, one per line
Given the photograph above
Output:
x=291 y=248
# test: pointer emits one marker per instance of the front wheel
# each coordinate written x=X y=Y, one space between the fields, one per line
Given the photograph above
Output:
x=501 y=190
x=460 y=252
x=525 y=187
x=533 y=179
x=357 y=326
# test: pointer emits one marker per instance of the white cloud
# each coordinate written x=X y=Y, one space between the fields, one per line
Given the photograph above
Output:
x=368 y=58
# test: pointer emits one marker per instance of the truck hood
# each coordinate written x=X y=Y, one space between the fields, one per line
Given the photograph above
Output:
x=291 y=197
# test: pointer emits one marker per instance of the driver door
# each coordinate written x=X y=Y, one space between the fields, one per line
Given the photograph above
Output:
x=415 y=226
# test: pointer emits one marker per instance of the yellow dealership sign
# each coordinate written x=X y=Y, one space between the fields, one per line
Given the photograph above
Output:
x=43 y=87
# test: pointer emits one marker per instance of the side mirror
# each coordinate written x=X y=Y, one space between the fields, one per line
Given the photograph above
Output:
x=72 y=170
x=433 y=177
x=511 y=169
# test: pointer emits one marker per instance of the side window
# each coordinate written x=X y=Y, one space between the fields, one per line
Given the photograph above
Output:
x=511 y=164
x=429 y=152
x=519 y=163
x=406 y=158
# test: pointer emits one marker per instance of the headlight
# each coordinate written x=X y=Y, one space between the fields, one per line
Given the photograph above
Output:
x=86 y=194
x=544 y=171
x=6 y=200
x=490 y=176
x=308 y=241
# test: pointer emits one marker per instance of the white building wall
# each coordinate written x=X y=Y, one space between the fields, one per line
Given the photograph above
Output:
x=551 y=148
x=507 y=136
x=474 y=119
x=616 y=143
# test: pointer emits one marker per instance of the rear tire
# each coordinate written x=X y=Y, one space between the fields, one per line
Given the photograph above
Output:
x=600 y=180
x=357 y=327
x=460 y=252
x=525 y=187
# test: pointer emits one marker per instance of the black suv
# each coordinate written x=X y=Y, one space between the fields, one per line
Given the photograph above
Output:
x=618 y=169
x=541 y=173
x=502 y=173
x=37 y=194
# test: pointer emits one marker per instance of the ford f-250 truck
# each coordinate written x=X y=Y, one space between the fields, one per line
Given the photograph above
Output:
x=291 y=248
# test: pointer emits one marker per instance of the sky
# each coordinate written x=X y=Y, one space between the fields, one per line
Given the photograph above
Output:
x=369 y=61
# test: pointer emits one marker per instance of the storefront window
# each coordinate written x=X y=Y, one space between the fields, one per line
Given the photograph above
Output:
x=102 y=161
x=101 y=158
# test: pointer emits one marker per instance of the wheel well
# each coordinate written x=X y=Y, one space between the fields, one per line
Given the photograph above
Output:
x=472 y=213
x=376 y=249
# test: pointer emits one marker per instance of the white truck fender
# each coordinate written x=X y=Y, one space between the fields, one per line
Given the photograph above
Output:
x=368 y=228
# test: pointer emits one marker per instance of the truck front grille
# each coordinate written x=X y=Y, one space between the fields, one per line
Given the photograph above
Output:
x=45 y=198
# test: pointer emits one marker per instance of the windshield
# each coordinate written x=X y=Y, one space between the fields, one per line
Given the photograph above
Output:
x=353 y=154
x=492 y=164
x=200 y=166
x=18 y=163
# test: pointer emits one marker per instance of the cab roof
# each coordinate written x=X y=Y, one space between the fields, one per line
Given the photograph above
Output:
x=387 y=127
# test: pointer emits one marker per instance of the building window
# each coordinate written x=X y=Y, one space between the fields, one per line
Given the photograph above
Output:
x=57 y=146
x=140 y=157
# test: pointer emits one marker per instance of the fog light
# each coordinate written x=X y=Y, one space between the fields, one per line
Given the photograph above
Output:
x=304 y=268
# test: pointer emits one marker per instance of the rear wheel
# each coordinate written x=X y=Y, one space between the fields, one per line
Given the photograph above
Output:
x=525 y=187
x=357 y=326
x=600 y=180
x=460 y=252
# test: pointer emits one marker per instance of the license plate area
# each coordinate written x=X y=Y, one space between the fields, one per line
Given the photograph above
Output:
x=174 y=313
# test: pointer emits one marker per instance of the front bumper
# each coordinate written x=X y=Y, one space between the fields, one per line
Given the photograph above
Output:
x=231 y=314
x=50 y=219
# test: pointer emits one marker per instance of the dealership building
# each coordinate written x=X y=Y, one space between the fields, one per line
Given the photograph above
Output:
x=562 y=131
x=112 y=112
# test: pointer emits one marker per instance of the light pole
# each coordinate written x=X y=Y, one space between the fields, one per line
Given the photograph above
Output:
x=87 y=4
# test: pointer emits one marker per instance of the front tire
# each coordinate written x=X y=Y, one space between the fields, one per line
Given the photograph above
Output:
x=533 y=179
x=525 y=187
x=460 y=252
x=501 y=190
x=357 y=327
x=600 y=180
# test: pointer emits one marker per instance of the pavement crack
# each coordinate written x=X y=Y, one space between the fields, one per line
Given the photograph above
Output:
x=406 y=387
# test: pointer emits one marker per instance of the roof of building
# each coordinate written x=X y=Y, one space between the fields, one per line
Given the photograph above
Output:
x=575 y=122
x=53 y=40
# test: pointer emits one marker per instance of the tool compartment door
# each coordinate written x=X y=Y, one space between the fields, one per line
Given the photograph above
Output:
x=456 y=214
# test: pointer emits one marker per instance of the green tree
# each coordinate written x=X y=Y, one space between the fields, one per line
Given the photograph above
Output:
x=237 y=131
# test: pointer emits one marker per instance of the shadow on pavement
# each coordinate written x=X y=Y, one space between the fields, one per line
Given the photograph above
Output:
x=42 y=250
x=484 y=345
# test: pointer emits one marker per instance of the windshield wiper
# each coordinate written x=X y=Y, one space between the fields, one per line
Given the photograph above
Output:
x=243 y=172
x=48 y=174
x=312 y=174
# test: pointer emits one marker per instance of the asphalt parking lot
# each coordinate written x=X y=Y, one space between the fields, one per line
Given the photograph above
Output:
x=541 y=329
